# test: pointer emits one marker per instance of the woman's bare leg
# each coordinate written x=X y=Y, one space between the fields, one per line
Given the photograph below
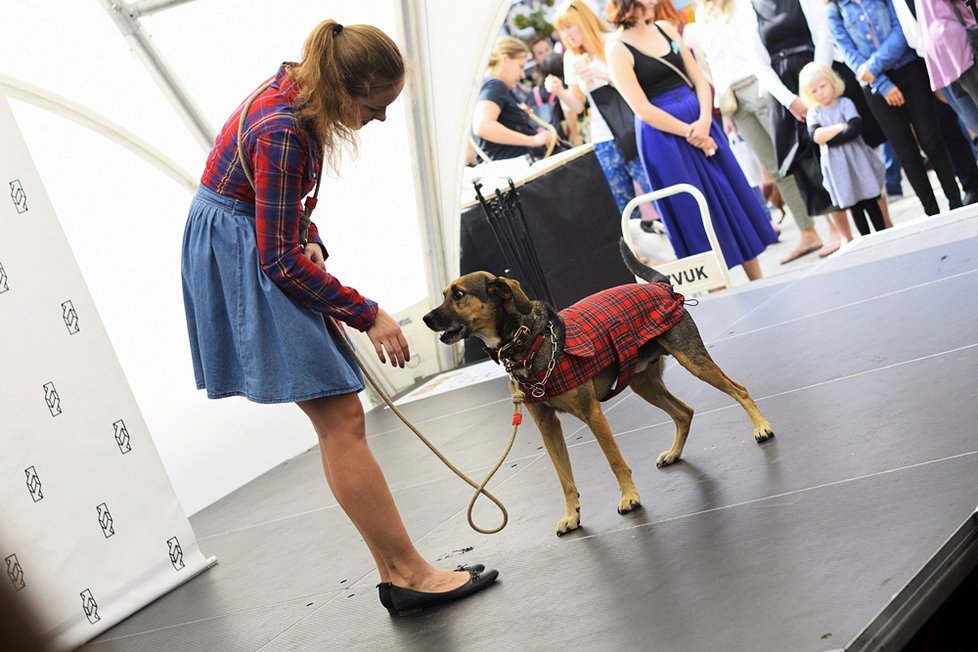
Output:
x=359 y=486
x=752 y=268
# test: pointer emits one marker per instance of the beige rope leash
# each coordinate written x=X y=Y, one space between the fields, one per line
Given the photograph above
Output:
x=517 y=394
x=480 y=489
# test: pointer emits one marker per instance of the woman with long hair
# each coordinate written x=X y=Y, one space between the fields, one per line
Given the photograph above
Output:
x=680 y=143
x=260 y=304
x=584 y=36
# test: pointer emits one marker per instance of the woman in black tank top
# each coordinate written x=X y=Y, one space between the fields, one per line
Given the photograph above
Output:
x=653 y=74
x=679 y=142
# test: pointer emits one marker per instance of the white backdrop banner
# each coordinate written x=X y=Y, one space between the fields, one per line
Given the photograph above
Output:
x=90 y=528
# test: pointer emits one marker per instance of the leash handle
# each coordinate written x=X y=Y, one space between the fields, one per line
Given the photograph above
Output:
x=480 y=489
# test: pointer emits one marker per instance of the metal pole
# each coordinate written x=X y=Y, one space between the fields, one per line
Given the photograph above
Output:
x=411 y=16
x=143 y=46
x=147 y=7
x=99 y=124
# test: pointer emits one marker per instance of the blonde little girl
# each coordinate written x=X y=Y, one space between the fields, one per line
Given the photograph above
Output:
x=852 y=173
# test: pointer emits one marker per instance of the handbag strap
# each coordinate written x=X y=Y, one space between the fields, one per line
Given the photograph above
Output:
x=310 y=202
x=663 y=61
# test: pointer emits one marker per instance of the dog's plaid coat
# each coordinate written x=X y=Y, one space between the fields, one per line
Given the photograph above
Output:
x=608 y=328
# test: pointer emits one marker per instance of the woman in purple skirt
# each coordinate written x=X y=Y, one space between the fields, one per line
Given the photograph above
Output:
x=680 y=143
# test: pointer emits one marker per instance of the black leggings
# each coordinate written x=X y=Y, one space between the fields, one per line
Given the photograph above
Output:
x=916 y=116
x=859 y=211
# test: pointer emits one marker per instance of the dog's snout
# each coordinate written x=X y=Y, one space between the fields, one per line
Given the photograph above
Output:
x=432 y=320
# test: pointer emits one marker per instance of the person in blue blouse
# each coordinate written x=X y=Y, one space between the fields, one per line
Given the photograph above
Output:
x=897 y=89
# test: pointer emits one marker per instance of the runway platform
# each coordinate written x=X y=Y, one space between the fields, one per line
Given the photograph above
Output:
x=844 y=532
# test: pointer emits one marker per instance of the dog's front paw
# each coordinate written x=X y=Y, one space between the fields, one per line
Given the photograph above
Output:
x=761 y=435
x=568 y=524
x=628 y=503
x=668 y=457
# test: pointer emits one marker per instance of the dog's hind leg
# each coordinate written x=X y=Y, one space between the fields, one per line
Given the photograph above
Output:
x=553 y=438
x=684 y=344
x=650 y=386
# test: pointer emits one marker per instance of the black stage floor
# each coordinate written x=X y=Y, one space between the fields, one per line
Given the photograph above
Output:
x=844 y=532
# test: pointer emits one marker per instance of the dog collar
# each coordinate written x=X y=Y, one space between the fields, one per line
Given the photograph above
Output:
x=538 y=389
x=527 y=360
x=519 y=339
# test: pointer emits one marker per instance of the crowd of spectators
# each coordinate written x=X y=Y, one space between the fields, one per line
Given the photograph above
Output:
x=694 y=74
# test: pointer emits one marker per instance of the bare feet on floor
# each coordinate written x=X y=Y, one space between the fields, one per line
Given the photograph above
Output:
x=804 y=247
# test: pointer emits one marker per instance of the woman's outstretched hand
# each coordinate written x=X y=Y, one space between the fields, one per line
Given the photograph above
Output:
x=386 y=336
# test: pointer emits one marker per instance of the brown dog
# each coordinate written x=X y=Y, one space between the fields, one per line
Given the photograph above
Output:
x=569 y=362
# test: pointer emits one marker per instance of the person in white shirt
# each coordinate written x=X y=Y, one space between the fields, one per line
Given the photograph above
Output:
x=584 y=35
x=787 y=35
x=726 y=33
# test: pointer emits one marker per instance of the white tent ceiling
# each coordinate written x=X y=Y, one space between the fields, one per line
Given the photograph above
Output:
x=124 y=216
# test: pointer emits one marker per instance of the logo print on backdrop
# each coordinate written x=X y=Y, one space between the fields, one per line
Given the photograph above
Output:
x=122 y=436
x=105 y=520
x=3 y=280
x=33 y=483
x=89 y=606
x=18 y=196
x=52 y=399
x=176 y=553
x=70 y=316
x=15 y=572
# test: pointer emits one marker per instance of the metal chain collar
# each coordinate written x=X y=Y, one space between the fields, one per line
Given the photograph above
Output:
x=537 y=390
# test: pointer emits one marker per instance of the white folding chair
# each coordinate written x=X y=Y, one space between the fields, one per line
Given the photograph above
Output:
x=692 y=274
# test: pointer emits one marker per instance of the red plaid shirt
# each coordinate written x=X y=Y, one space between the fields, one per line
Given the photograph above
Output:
x=284 y=158
x=608 y=328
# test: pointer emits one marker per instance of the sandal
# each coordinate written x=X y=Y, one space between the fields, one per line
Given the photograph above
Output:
x=829 y=249
x=798 y=253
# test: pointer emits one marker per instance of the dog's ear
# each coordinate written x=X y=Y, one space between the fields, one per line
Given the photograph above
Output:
x=506 y=289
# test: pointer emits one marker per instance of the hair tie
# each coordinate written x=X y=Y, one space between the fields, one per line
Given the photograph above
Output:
x=337 y=28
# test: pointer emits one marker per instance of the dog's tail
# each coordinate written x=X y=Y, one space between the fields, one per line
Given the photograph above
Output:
x=638 y=268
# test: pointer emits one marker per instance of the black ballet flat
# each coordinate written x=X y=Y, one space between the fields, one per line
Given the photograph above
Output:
x=405 y=602
x=384 y=588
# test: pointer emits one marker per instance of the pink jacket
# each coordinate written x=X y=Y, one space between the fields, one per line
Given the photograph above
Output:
x=943 y=40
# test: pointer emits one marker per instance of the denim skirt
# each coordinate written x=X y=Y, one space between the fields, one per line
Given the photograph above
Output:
x=247 y=338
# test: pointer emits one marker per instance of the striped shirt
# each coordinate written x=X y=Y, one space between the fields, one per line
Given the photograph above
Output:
x=284 y=157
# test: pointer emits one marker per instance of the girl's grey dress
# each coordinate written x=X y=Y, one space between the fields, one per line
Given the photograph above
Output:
x=851 y=172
